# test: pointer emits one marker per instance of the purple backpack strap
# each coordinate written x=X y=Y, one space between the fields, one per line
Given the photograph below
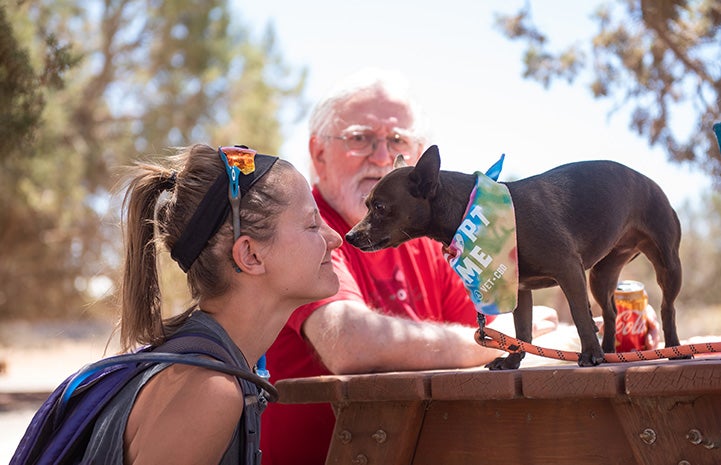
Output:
x=62 y=425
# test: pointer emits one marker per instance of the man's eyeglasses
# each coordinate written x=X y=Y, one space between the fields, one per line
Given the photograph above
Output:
x=364 y=143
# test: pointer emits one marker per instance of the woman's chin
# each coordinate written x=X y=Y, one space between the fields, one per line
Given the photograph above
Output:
x=330 y=288
x=324 y=288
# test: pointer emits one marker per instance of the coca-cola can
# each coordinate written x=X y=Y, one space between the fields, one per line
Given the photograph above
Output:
x=631 y=323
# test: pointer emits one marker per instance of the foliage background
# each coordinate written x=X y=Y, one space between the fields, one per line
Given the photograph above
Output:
x=89 y=86
x=657 y=58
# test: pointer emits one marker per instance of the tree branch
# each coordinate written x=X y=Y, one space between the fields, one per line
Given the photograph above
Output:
x=662 y=32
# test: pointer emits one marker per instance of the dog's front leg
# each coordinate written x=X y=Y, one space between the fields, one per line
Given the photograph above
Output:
x=523 y=322
x=574 y=287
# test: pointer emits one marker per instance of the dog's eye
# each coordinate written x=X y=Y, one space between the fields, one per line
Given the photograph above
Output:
x=379 y=207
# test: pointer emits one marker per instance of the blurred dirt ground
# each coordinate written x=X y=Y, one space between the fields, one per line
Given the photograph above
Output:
x=34 y=359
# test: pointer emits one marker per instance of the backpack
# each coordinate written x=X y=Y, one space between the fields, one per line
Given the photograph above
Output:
x=61 y=428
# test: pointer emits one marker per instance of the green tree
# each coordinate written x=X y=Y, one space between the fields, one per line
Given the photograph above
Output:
x=28 y=70
x=147 y=75
x=20 y=100
x=660 y=57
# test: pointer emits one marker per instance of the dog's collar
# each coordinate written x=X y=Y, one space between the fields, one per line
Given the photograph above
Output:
x=493 y=172
x=483 y=251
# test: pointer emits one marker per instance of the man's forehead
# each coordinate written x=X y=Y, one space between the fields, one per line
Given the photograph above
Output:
x=376 y=110
x=374 y=121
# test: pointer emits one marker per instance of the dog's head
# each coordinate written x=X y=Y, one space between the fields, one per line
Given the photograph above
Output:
x=399 y=206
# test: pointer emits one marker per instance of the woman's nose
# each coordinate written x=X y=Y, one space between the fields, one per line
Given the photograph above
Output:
x=332 y=238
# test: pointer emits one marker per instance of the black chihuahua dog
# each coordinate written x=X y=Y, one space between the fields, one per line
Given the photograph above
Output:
x=596 y=215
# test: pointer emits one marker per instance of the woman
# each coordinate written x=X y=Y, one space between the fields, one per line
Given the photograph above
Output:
x=246 y=230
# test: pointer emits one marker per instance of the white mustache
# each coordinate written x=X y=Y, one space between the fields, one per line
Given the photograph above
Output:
x=375 y=174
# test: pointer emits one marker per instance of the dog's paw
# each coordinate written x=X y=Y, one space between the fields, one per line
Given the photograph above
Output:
x=512 y=362
x=681 y=357
x=590 y=359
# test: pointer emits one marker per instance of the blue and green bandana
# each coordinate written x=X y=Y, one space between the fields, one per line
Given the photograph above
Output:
x=483 y=251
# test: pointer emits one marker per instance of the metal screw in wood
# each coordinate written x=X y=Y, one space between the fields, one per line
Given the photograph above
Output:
x=648 y=436
x=380 y=436
x=694 y=436
x=345 y=436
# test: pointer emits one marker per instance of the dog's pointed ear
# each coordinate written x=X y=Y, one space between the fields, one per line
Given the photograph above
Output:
x=400 y=161
x=424 y=176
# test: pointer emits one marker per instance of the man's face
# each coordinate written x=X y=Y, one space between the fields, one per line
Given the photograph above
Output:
x=359 y=149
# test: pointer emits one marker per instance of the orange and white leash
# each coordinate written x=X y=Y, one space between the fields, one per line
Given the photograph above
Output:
x=488 y=337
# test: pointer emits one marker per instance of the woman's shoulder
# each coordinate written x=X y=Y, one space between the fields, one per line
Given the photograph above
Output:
x=196 y=387
x=186 y=411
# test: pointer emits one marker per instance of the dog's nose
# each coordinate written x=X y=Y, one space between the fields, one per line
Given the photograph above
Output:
x=350 y=237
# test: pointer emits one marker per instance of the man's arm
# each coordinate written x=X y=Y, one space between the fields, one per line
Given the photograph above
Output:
x=351 y=338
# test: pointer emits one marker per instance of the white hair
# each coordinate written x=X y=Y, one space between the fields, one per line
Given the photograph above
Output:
x=393 y=83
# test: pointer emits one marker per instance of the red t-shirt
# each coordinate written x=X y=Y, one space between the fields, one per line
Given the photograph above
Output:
x=412 y=281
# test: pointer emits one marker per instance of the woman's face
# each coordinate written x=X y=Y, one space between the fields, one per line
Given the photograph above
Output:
x=298 y=259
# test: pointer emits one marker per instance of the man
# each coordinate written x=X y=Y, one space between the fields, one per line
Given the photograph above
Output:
x=397 y=309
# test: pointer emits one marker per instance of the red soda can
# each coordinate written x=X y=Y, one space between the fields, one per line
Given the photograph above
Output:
x=631 y=325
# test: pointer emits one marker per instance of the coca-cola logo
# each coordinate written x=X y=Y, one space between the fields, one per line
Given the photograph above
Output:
x=631 y=322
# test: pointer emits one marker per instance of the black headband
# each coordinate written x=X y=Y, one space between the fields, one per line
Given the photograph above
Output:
x=215 y=206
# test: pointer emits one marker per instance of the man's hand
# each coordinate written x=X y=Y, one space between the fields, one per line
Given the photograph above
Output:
x=653 y=329
x=545 y=320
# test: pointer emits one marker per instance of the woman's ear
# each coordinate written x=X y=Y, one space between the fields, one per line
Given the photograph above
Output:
x=246 y=256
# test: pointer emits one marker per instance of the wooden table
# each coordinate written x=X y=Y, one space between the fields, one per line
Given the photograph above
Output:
x=650 y=413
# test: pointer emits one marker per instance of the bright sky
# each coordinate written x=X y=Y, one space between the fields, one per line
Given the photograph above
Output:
x=467 y=76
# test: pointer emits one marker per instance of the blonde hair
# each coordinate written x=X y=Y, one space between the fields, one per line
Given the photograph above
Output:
x=152 y=220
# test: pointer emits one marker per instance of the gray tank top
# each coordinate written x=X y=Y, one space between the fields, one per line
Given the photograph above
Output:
x=106 y=442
